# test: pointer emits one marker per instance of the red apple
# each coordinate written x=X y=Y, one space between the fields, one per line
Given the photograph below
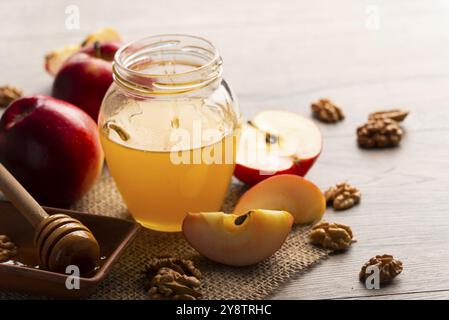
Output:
x=86 y=76
x=51 y=147
x=277 y=142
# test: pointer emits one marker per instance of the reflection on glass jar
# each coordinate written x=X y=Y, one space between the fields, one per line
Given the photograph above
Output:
x=169 y=126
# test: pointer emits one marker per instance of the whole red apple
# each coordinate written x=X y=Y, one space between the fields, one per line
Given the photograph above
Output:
x=51 y=147
x=86 y=76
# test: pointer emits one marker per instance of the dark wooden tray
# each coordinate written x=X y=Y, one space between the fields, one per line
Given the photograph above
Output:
x=113 y=235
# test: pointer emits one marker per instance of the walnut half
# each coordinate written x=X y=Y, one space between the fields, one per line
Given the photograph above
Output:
x=379 y=133
x=395 y=114
x=8 y=249
x=389 y=268
x=172 y=278
x=327 y=111
x=342 y=196
x=332 y=236
x=8 y=94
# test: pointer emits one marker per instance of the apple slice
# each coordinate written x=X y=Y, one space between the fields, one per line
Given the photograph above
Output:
x=237 y=240
x=102 y=35
x=277 y=142
x=55 y=59
x=303 y=199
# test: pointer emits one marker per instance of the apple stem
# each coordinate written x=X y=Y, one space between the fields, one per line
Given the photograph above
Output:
x=97 y=49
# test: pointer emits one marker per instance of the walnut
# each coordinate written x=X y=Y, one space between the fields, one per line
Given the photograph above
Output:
x=8 y=94
x=332 y=236
x=395 y=114
x=327 y=111
x=342 y=196
x=389 y=268
x=172 y=278
x=8 y=249
x=379 y=133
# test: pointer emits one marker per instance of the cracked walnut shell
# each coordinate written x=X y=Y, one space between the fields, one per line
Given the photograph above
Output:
x=8 y=249
x=379 y=133
x=172 y=278
x=8 y=94
x=389 y=268
x=395 y=114
x=327 y=111
x=342 y=196
x=332 y=236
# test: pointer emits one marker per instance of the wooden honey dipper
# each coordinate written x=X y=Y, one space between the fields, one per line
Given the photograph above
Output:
x=59 y=239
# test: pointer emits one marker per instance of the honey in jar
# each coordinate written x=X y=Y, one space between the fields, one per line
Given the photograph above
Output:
x=169 y=127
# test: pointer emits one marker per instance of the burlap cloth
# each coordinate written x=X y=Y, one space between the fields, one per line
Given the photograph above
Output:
x=219 y=282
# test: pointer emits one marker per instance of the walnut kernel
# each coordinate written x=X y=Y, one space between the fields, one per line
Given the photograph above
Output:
x=172 y=278
x=395 y=114
x=379 y=133
x=342 y=196
x=389 y=267
x=8 y=94
x=332 y=236
x=327 y=111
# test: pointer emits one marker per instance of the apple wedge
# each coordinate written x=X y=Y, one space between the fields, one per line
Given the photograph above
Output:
x=303 y=199
x=55 y=59
x=237 y=240
x=107 y=34
x=277 y=142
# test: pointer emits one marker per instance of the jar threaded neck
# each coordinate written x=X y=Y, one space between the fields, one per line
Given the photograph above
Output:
x=167 y=64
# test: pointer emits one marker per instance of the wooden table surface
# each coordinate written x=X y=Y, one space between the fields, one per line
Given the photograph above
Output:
x=365 y=55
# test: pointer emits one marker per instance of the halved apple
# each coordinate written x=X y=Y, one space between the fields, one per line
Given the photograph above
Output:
x=237 y=240
x=55 y=59
x=303 y=199
x=277 y=142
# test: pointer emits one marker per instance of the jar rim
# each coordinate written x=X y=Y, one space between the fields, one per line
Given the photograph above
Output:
x=120 y=63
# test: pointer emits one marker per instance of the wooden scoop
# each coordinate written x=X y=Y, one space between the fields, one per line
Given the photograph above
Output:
x=59 y=240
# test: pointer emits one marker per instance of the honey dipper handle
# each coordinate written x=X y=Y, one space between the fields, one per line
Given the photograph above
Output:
x=21 y=199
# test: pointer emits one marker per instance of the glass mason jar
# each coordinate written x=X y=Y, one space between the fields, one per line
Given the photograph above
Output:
x=169 y=126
